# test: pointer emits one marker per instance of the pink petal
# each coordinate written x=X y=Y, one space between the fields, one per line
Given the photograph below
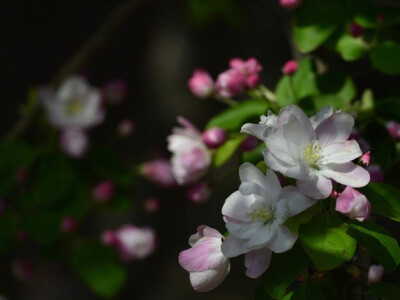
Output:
x=338 y=153
x=347 y=174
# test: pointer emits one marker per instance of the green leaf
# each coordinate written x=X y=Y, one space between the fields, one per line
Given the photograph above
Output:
x=384 y=199
x=384 y=290
x=8 y=230
x=306 y=216
x=234 y=118
x=336 y=89
x=254 y=156
x=384 y=151
x=351 y=48
x=223 y=153
x=315 y=22
x=378 y=241
x=386 y=57
x=293 y=262
x=326 y=242
x=97 y=266
x=44 y=227
x=304 y=84
x=307 y=292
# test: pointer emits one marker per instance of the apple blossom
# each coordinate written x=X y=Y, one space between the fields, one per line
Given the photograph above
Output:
x=103 y=191
x=375 y=273
x=201 y=84
x=205 y=262
x=230 y=83
x=190 y=156
x=394 y=129
x=255 y=217
x=314 y=151
x=353 y=204
x=74 y=142
x=214 y=137
x=249 y=68
x=75 y=104
x=135 y=243
x=159 y=171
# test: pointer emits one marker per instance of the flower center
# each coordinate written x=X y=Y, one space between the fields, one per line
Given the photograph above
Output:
x=312 y=154
x=74 y=106
x=261 y=214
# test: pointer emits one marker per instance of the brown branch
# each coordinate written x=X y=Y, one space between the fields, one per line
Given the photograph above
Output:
x=95 y=42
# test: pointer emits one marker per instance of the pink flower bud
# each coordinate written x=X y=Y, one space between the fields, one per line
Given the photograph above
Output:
x=152 y=205
x=103 y=191
x=214 y=137
x=115 y=91
x=334 y=194
x=68 y=224
x=249 y=143
x=159 y=171
x=353 y=204
x=289 y=4
x=125 y=128
x=23 y=269
x=74 y=142
x=249 y=68
x=381 y=18
x=376 y=173
x=201 y=84
x=198 y=193
x=135 y=243
x=393 y=129
x=375 y=273
x=230 y=83
x=365 y=159
x=109 y=238
x=290 y=67
x=356 y=30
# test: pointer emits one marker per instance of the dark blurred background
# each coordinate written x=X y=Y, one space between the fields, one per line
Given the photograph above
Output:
x=155 y=50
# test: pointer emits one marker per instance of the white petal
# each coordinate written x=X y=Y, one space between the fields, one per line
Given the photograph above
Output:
x=296 y=200
x=276 y=143
x=73 y=87
x=316 y=186
x=283 y=240
x=237 y=206
x=321 y=115
x=243 y=230
x=256 y=130
x=336 y=128
x=210 y=279
x=299 y=170
x=297 y=136
x=232 y=246
x=257 y=262
x=263 y=235
x=347 y=174
x=340 y=152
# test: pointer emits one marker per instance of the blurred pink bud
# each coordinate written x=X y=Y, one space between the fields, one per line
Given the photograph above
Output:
x=23 y=269
x=201 y=84
x=159 y=171
x=249 y=143
x=353 y=204
x=365 y=159
x=74 y=142
x=375 y=273
x=126 y=127
x=109 y=238
x=334 y=194
x=214 y=137
x=103 y=191
x=289 y=4
x=21 y=175
x=205 y=261
x=290 y=67
x=151 y=205
x=249 y=68
x=230 y=83
x=20 y=236
x=393 y=129
x=135 y=242
x=356 y=30
x=200 y=192
x=115 y=91
x=381 y=17
x=376 y=173
x=68 y=224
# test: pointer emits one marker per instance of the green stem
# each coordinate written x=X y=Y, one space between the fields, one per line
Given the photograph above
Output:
x=227 y=101
x=292 y=89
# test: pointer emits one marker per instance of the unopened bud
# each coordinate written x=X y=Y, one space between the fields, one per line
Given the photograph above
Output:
x=365 y=159
x=214 y=137
x=290 y=67
x=103 y=191
x=356 y=30
x=199 y=192
x=201 y=84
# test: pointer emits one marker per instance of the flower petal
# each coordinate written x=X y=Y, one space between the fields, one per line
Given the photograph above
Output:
x=232 y=246
x=316 y=186
x=347 y=174
x=263 y=235
x=338 y=153
x=257 y=262
x=237 y=206
x=210 y=279
x=336 y=128
x=321 y=115
x=282 y=241
x=296 y=200
x=256 y=130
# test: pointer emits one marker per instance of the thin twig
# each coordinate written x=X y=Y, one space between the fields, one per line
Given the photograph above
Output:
x=80 y=58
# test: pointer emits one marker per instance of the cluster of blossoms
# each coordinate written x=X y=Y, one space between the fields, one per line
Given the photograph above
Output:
x=316 y=152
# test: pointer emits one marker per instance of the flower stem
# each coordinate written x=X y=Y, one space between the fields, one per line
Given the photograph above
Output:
x=227 y=101
x=292 y=89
